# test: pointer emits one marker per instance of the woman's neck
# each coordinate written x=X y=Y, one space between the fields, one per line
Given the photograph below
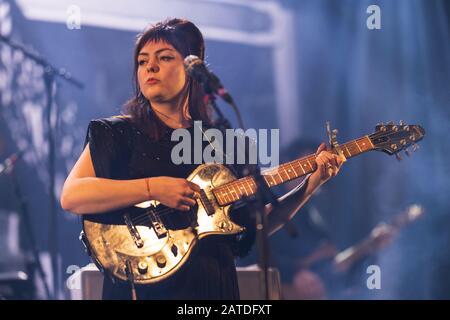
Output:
x=168 y=109
x=171 y=113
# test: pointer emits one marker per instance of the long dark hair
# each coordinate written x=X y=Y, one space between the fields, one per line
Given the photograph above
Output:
x=187 y=39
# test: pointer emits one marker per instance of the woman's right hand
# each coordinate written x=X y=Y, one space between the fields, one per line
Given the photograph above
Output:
x=176 y=193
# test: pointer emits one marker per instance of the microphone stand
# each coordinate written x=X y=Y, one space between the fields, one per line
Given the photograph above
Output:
x=221 y=123
x=50 y=74
x=23 y=211
x=256 y=202
x=262 y=195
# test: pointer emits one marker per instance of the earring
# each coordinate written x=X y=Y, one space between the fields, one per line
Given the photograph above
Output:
x=140 y=98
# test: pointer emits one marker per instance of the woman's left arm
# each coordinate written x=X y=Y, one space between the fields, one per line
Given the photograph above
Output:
x=328 y=165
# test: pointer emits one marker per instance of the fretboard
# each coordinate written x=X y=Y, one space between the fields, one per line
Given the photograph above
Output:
x=235 y=190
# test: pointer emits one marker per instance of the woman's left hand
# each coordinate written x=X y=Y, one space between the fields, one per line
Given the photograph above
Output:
x=328 y=165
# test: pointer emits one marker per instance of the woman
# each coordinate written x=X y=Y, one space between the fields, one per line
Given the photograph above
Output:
x=126 y=161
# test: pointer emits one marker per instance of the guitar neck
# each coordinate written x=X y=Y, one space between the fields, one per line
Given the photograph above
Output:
x=235 y=190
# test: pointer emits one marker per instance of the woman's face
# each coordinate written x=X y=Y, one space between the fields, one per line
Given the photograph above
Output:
x=161 y=73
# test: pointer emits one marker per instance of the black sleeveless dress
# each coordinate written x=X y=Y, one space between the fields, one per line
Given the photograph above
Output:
x=119 y=150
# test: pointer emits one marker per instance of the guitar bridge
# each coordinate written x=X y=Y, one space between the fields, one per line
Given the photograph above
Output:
x=133 y=231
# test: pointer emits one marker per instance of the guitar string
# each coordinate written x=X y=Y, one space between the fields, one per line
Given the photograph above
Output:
x=298 y=164
x=164 y=211
x=169 y=210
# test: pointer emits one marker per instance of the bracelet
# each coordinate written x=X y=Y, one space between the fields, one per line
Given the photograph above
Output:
x=148 y=188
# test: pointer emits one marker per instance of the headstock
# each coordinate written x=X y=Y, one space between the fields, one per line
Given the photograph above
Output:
x=411 y=214
x=414 y=212
x=393 y=138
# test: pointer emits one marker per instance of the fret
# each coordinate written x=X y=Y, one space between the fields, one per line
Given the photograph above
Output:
x=352 y=149
x=340 y=149
x=273 y=180
x=304 y=167
x=371 y=146
x=250 y=186
x=279 y=173
x=349 y=153
x=292 y=167
x=289 y=172
x=356 y=142
x=312 y=168
x=227 y=196
x=301 y=166
x=225 y=193
x=269 y=183
x=283 y=171
x=365 y=146
x=274 y=177
x=356 y=147
x=253 y=183
x=238 y=189
x=266 y=180
x=242 y=187
x=281 y=179
x=245 y=187
x=254 y=187
x=361 y=144
x=219 y=196
x=233 y=193
x=224 y=196
x=269 y=174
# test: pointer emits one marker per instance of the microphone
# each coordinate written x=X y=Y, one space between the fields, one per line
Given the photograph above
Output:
x=7 y=165
x=197 y=70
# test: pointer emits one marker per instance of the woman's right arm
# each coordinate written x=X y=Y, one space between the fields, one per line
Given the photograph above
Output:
x=84 y=193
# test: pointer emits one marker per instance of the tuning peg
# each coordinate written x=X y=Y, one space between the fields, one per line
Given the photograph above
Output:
x=401 y=123
x=380 y=126
x=399 y=158
x=390 y=123
x=415 y=147
x=408 y=154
